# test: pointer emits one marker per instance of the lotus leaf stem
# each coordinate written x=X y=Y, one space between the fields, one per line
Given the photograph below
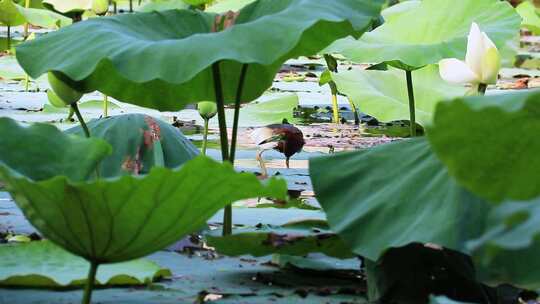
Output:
x=90 y=280
x=26 y=82
x=105 y=105
x=412 y=108
x=331 y=64
x=237 y=103
x=131 y=6
x=26 y=5
x=81 y=119
x=218 y=89
x=482 y=89
x=205 y=136
x=8 y=37
x=355 y=112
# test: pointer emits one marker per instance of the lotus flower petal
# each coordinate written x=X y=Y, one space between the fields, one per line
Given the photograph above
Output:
x=456 y=71
x=475 y=50
x=491 y=61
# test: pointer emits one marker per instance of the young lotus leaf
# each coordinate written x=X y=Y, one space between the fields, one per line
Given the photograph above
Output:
x=501 y=159
x=529 y=16
x=396 y=194
x=163 y=60
x=43 y=264
x=383 y=94
x=44 y=18
x=509 y=249
x=118 y=219
x=139 y=143
x=295 y=238
x=428 y=33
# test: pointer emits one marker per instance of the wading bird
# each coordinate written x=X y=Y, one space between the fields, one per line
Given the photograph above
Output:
x=283 y=137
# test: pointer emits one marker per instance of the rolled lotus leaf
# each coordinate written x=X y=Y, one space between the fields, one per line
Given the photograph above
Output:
x=115 y=219
x=139 y=143
x=163 y=60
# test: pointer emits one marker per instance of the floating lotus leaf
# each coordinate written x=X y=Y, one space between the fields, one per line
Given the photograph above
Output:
x=117 y=219
x=163 y=60
x=500 y=161
x=269 y=111
x=396 y=194
x=428 y=33
x=295 y=238
x=383 y=94
x=43 y=264
x=139 y=143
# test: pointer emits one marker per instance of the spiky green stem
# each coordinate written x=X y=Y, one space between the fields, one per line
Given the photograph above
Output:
x=205 y=136
x=8 y=38
x=237 y=103
x=412 y=107
x=90 y=280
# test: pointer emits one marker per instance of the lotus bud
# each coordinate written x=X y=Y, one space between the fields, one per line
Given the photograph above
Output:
x=207 y=109
x=482 y=62
x=66 y=93
x=100 y=7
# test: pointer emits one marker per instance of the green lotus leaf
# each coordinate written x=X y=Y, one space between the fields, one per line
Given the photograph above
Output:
x=428 y=33
x=397 y=10
x=269 y=112
x=500 y=162
x=43 y=264
x=33 y=3
x=228 y=5
x=44 y=18
x=162 y=6
x=396 y=194
x=139 y=143
x=383 y=94
x=529 y=17
x=508 y=251
x=68 y=6
x=163 y=60
x=117 y=219
x=23 y=149
x=295 y=238
x=9 y=13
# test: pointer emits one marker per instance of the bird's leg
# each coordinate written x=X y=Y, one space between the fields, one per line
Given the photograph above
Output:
x=287 y=162
x=264 y=173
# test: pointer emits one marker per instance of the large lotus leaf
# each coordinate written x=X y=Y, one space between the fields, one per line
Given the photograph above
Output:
x=529 y=17
x=394 y=195
x=163 y=60
x=44 y=18
x=23 y=150
x=383 y=94
x=428 y=33
x=295 y=238
x=43 y=264
x=9 y=13
x=139 y=143
x=67 y=6
x=508 y=251
x=500 y=161
x=117 y=219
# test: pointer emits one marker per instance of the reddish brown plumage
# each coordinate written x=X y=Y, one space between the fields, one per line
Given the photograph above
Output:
x=291 y=139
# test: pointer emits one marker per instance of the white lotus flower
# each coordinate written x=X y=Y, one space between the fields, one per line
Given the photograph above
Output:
x=482 y=62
